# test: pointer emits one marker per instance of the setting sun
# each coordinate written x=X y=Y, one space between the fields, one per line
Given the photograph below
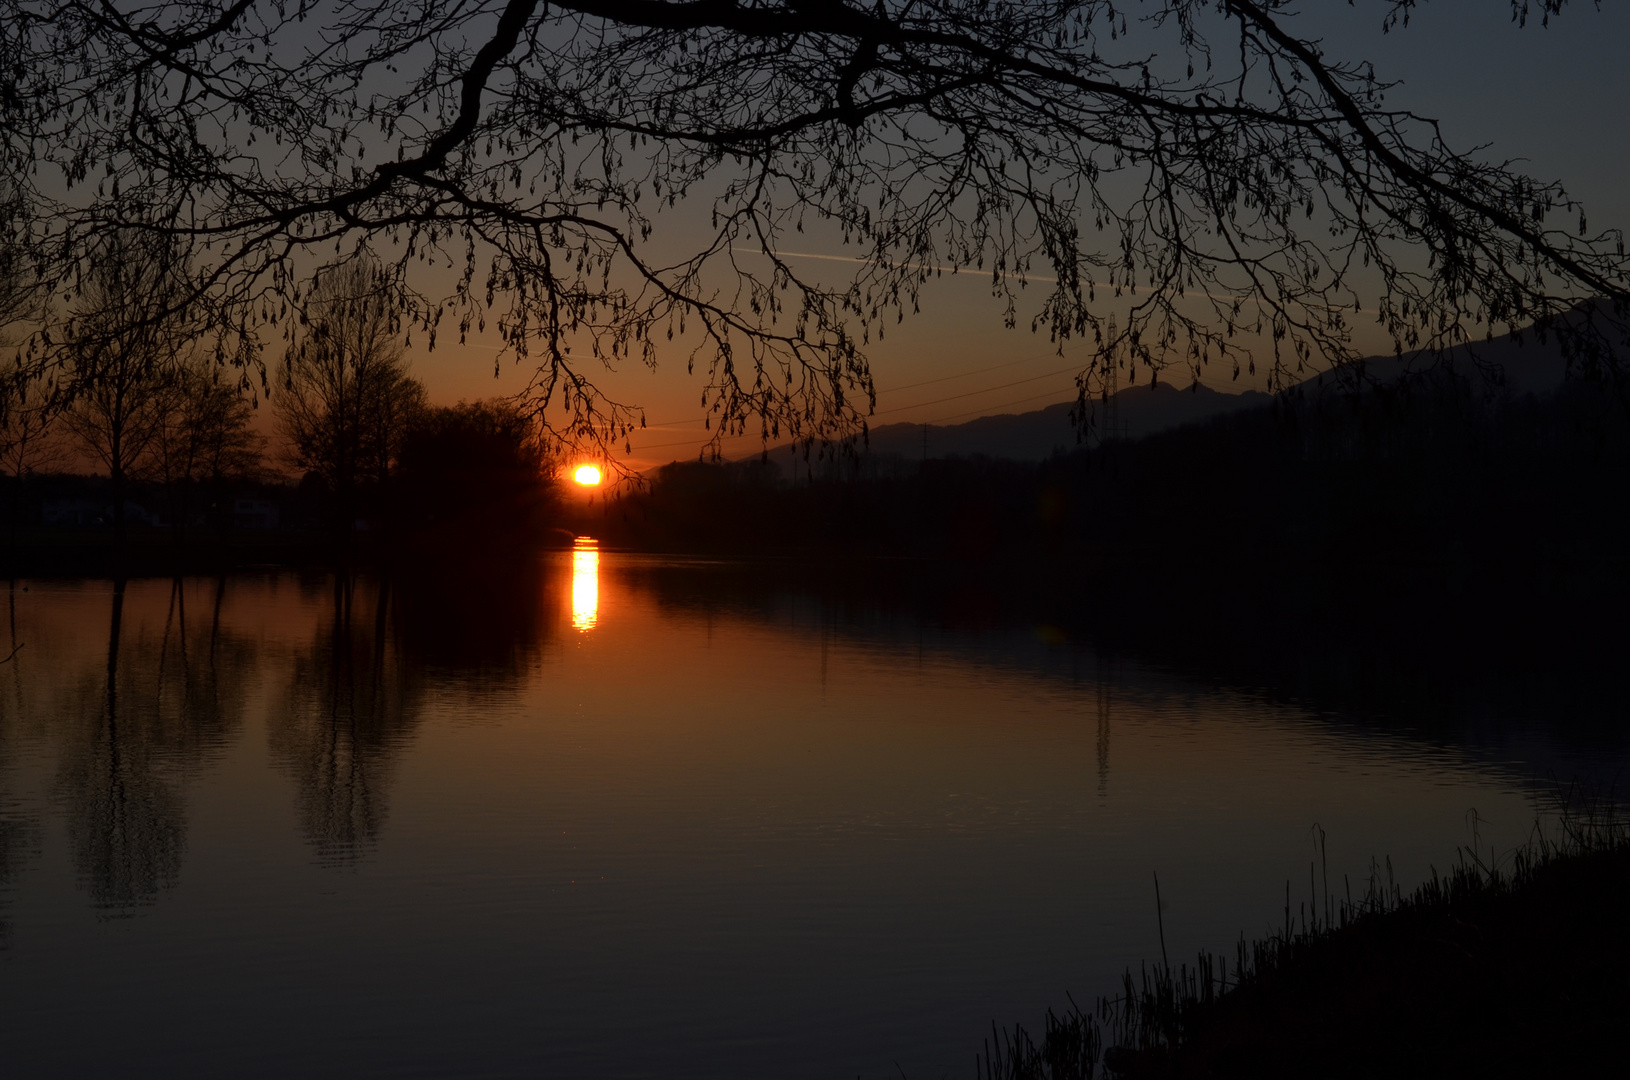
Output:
x=587 y=475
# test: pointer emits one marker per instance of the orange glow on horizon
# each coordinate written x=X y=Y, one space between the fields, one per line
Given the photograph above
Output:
x=587 y=475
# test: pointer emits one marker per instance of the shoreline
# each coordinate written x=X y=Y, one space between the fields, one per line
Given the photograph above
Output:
x=1515 y=967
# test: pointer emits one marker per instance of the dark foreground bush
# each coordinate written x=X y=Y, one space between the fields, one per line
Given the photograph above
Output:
x=1518 y=969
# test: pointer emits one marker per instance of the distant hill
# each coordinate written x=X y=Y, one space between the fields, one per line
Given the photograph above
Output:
x=1516 y=364
x=1509 y=363
x=1037 y=435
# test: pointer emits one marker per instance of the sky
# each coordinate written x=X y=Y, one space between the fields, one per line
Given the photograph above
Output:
x=1555 y=99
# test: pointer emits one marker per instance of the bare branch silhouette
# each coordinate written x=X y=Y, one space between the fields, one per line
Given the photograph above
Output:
x=612 y=181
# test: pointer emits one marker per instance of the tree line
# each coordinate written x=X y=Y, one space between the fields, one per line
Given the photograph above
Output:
x=1429 y=513
x=141 y=391
x=1179 y=187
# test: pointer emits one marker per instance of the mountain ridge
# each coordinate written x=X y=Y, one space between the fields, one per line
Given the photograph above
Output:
x=1039 y=433
x=1518 y=363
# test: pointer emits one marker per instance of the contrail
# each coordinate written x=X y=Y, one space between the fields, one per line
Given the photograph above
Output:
x=868 y=262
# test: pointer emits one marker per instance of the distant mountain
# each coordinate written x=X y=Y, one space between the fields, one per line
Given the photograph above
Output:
x=1033 y=436
x=1516 y=364
x=1519 y=364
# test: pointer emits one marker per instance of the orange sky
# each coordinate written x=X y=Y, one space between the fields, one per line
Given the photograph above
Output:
x=1559 y=94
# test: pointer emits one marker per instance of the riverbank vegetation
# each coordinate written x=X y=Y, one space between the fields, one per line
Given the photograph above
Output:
x=1428 y=512
x=1512 y=967
x=182 y=477
x=472 y=477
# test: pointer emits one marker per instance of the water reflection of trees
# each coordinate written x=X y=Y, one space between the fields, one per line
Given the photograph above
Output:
x=355 y=695
x=19 y=843
x=135 y=688
x=19 y=825
x=351 y=705
x=132 y=730
x=482 y=623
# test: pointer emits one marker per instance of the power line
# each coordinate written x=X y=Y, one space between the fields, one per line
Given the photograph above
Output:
x=907 y=386
x=964 y=271
x=973 y=393
x=939 y=420
x=1004 y=405
x=684 y=442
x=925 y=404
x=966 y=374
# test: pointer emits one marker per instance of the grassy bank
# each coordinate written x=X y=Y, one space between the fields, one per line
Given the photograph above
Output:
x=1516 y=968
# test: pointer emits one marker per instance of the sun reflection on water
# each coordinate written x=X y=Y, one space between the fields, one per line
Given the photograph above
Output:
x=585 y=583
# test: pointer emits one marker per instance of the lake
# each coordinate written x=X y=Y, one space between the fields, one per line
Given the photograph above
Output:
x=616 y=815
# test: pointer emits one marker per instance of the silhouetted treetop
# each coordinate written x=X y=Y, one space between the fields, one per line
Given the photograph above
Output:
x=476 y=474
x=616 y=179
x=346 y=398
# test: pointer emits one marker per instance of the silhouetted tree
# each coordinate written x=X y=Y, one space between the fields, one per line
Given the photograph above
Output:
x=204 y=437
x=21 y=295
x=129 y=322
x=26 y=408
x=477 y=473
x=25 y=423
x=26 y=442
x=1197 y=159
x=346 y=398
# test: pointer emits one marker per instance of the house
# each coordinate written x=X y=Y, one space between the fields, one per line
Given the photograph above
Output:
x=74 y=512
x=93 y=513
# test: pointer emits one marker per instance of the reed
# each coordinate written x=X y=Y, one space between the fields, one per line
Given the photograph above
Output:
x=1518 y=965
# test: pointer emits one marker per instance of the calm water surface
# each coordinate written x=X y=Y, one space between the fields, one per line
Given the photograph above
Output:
x=586 y=821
